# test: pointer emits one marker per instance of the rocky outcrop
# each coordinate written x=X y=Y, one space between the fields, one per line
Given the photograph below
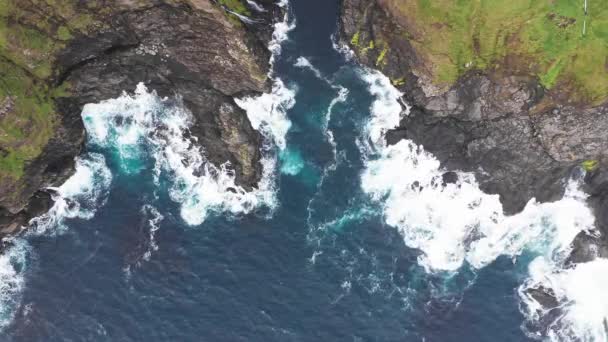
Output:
x=520 y=139
x=197 y=51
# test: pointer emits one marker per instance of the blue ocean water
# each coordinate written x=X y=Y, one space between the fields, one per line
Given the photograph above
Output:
x=323 y=266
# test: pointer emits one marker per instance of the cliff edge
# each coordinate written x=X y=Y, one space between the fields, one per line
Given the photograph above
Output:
x=57 y=56
x=516 y=92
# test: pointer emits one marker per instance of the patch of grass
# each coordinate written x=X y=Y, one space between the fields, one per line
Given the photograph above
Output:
x=544 y=37
x=29 y=43
x=590 y=165
x=354 y=41
x=382 y=55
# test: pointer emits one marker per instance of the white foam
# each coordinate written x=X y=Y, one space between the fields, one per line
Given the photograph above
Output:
x=457 y=224
x=268 y=112
x=582 y=314
x=304 y=63
x=280 y=33
x=342 y=48
x=13 y=263
x=145 y=125
x=79 y=197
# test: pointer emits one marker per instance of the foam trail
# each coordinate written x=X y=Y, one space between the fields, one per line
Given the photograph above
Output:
x=154 y=223
x=457 y=224
x=304 y=63
x=141 y=125
x=280 y=33
x=268 y=112
x=255 y=6
x=78 y=197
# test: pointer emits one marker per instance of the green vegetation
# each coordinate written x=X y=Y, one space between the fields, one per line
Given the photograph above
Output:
x=382 y=55
x=590 y=165
x=235 y=6
x=398 y=82
x=355 y=39
x=538 y=37
x=30 y=37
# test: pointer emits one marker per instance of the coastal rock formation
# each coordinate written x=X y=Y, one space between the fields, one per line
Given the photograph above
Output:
x=507 y=93
x=57 y=56
x=492 y=115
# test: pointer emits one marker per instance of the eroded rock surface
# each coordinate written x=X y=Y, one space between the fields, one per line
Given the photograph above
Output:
x=193 y=50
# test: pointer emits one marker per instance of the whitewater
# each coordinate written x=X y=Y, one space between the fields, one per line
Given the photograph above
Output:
x=344 y=238
x=456 y=225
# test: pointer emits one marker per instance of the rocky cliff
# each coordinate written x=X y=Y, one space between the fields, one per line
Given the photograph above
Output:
x=56 y=56
x=513 y=91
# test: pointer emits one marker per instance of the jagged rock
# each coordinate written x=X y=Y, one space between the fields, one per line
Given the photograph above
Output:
x=191 y=50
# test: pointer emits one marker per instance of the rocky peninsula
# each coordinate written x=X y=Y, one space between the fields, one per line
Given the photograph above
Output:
x=57 y=56
x=515 y=92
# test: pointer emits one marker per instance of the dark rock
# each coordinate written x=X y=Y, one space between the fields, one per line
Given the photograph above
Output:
x=449 y=177
x=191 y=51
x=516 y=138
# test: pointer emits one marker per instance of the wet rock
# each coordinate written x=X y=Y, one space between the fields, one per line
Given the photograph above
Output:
x=449 y=177
x=191 y=51
x=520 y=142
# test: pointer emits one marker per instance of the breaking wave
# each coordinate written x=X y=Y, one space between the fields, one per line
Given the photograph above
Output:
x=581 y=310
x=143 y=124
x=79 y=197
x=456 y=226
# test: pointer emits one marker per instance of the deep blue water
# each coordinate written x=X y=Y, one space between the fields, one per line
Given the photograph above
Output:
x=250 y=277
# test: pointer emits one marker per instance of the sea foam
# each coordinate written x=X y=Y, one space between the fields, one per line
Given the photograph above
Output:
x=457 y=225
x=144 y=125
x=79 y=197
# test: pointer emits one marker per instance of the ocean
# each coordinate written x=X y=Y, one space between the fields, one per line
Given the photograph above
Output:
x=346 y=239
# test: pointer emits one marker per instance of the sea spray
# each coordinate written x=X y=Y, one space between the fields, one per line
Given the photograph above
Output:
x=458 y=227
x=582 y=301
x=79 y=197
x=143 y=126
x=13 y=265
x=268 y=112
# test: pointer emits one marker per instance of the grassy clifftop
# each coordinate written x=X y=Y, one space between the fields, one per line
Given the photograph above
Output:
x=551 y=39
x=32 y=32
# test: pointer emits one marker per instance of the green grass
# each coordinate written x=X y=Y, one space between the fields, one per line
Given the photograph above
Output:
x=541 y=37
x=29 y=43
